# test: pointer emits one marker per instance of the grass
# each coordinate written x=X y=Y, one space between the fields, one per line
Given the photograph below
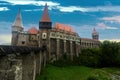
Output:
x=76 y=73
x=112 y=70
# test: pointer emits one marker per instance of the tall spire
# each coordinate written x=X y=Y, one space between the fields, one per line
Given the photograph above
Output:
x=95 y=34
x=45 y=22
x=45 y=16
x=94 y=30
x=18 y=20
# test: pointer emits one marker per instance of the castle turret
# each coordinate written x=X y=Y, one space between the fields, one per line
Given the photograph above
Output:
x=16 y=28
x=45 y=22
x=95 y=34
x=45 y=25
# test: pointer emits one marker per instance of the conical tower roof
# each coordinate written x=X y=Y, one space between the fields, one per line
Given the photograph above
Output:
x=94 y=31
x=18 y=20
x=45 y=16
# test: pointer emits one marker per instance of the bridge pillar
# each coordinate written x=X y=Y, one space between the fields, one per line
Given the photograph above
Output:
x=29 y=66
x=77 y=49
x=44 y=58
x=64 y=46
x=38 y=63
x=58 y=46
x=21 y=63
x=49 y=50
x=11 y=67
x=40 y=67
x=18 y=67
x=6 y=69
x=71 y=50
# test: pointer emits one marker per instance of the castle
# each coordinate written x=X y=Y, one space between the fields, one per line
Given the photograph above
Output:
x=57 y=40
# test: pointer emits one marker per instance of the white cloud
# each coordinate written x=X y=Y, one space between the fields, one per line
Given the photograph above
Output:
x=4 y=9
x=104 y=8
x=3 y=3
x=104 y=26
x=111 y=19
x=5 y=38
x=30 y=10
x=88 y=9
x=32 y=2
x=71 y=9
x=56 y=5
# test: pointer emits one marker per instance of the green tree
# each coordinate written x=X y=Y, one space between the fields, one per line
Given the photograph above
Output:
x=90 y=57
x=109 y=53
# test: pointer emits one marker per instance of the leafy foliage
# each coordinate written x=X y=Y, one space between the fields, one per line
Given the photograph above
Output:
x=110 y=54
x=90 y=57
x=52 y=72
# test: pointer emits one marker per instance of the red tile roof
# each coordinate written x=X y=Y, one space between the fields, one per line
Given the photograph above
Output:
x=63 y=27
x=45 y=16
x=33 y=30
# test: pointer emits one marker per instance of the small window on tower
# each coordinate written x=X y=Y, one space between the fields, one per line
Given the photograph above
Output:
x=23 y=42
x=44 y=35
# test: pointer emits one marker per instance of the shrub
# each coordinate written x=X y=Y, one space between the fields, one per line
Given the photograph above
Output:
x=90 y=57
x=92 y=78
x=99 y=75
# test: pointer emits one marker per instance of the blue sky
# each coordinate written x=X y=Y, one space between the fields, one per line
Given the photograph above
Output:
x=82 y=15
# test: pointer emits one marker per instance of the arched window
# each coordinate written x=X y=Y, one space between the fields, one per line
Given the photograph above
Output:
x=44 y=36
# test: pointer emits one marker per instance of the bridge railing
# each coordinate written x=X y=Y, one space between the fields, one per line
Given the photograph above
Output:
x=8 y=49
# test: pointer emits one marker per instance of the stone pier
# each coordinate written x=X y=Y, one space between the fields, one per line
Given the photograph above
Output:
x=21 y=63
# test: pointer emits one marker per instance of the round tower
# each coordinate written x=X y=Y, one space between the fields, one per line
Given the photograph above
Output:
x=16 y=28
x=95 y=34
